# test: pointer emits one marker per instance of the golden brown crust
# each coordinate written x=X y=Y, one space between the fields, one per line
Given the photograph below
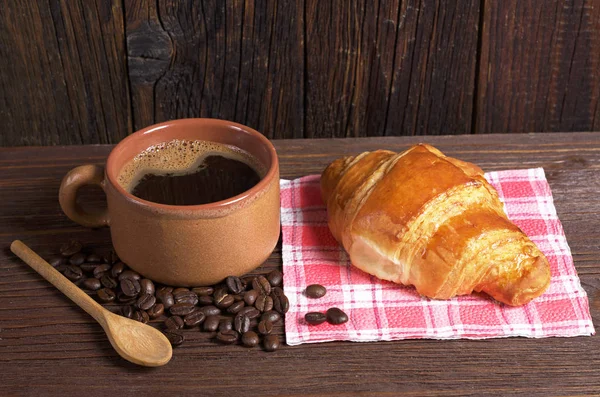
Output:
x=421 y=218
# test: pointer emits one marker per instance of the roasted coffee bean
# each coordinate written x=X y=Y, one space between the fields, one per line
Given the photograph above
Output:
x=130 y=287
x=156 y=311
x=236 y=307
x=181 y=309
x=185 y=297
x=227 y=337
x=93 y=258
x=70 y=248
x=89 y=267
x=234 y=284
x=211 y=323
x=271 y=343
x=174 y=322
x=194 y=318
x=225 y=302
x=165 y=297
x=203 y=291
x=204 y=300
x=147 y=286
x=264 y=303
x=73 y=272
x=92 y=284
x=265 y=327
x=247 y=281
x=315 y=318
x=100 y=270
x=210 y=310
x=175 y=337
x=315 y=291
x=250 y=339
x=57 y=260
x=241 y=323
x=108 y=281
x=111 y=258
x=106 y=295
x=336 y=316
x=237 y=297
x=250 y=312
x=129 y=274
x=77 y=259
x=117 y=269
x=271 y=316
x=164 y=289
x=250 y=297
x=145 y=302
x=141 y=316
x=180 y=289
x=275 y=278
x=219 y=293
x=127 y=311
x=281 y=304
x=225 y=324
x=121 y=297
x=261 y=284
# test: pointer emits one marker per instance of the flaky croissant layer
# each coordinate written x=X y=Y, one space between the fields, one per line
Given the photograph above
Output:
x=421 y=218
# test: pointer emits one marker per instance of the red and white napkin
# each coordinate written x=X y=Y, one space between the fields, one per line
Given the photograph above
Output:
x=381 y=310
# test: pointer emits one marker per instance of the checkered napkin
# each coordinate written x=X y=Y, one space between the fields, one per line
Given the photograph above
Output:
x=381 y=310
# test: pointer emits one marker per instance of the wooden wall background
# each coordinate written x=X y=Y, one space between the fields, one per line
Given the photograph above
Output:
x=93 y=71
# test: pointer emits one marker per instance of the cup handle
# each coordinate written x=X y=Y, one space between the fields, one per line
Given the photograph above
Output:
x=67 y=195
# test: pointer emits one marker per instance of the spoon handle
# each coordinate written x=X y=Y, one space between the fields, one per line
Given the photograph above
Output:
x=58 y=280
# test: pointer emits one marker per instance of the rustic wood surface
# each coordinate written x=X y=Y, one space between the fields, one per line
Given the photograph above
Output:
x=48 y=346
x=89 y=72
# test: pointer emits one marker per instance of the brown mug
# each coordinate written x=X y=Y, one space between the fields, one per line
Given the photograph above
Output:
x=184 y=245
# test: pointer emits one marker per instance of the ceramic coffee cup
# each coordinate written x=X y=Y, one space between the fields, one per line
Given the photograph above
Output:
x=184 y=245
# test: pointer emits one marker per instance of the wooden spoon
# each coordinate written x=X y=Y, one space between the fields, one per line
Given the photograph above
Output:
x=134 y=341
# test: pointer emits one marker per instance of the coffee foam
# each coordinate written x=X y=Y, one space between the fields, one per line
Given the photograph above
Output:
x=180 y=157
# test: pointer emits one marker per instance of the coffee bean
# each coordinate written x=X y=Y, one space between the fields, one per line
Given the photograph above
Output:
x=73 y=272
x=165 y=297
x=141 y=316
x=108 y=281
x=146 y=301
x=147 y=286
x=175 y=337
x=111 y=258
x=247 y=281
x=261 y=284
x=130 y=287
x=106 y=295
x=89 y=267
x=203 y=291
x=121 y=297
x=127 y=311
x=174 y=322
x=210 y=310
x=271 y=343
x=315 y=318
x=57 y=260
x=181 y=309
x=185 y=297
x=204 y=300
x=225 y=302
x=211 y=323
x=71 y=248
x=180 y=289
x=264 y=303
x=165 y=289
x=281 y=304
x=336 y=316
x=237 y=297
x=315 y=291
x=236 y=307
x=227 y=337
x=117 y=269
x=250 y=297
x=77 y=259
x=265 y=327
x=234 y=284
x=129 y=274
x=156 y=311
x=93 y=258
x=275 y=278
x=250 y=312
x=271 y=316
x=194 y=318
x=100 y=270
x=241 y=323
x=92 y=284
x=250 y=339
x=225 y=324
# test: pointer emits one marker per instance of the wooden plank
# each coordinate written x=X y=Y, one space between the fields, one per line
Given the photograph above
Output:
x=236 y=60
x=64 y=79
x=539 y=67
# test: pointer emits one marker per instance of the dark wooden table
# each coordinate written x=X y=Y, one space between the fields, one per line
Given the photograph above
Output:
x=48 y=346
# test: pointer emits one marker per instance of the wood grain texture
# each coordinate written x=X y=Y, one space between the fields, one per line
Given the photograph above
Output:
x=55 y=346
x=64 y=77
x=539 y=68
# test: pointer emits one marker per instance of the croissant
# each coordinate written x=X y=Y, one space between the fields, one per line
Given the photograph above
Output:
x=423 y=219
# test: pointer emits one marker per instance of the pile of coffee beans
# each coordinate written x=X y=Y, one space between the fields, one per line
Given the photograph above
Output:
x=241 y=310
x=333 y=315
